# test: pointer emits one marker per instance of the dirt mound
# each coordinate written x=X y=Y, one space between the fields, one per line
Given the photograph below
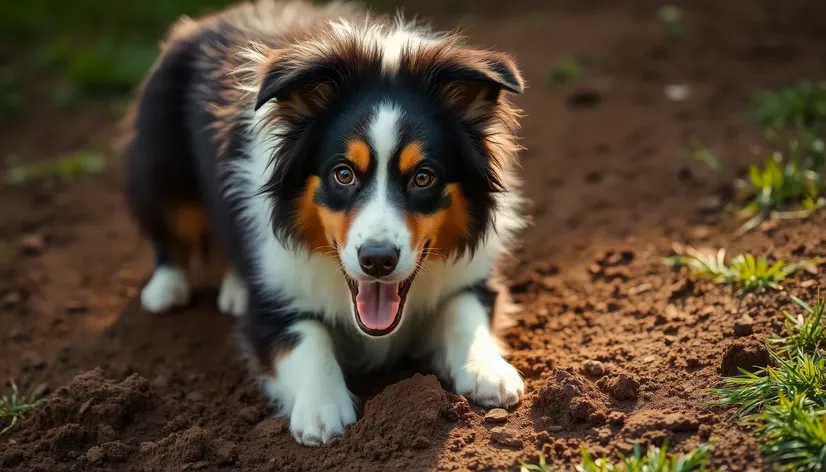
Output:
x=195 y=448
x=746 y=353
x=403 y=416
x=91 y=399
x=92 y=411
x=565 y=398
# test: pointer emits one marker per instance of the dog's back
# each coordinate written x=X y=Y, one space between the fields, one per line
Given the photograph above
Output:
x=183 y=120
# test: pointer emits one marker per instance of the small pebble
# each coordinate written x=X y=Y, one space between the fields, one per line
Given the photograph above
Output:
x=700 y=233
x=250 y=414
x=32 y=244
x=710 y=204
x=10 y=300
x=496 y=415
x=505 y=438
x=744 y=326
x=677 y=92
x=94 y=455
x=594 y=368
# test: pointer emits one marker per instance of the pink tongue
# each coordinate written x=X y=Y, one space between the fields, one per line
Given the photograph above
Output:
x=377 y=304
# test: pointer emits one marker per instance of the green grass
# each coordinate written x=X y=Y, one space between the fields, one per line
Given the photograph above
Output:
x=798 y=106
x=672 y=19
x=94 y=19
x=565 y=70
x=746 y=272
x=789 y=183
x=804 y=332
x=781 y=189
x=794 y=432
x=656 y=459
x=96 y=49
x=63 y=168
x=15 y=407
x=101 y=68
x=785 y=403
x=801 y=373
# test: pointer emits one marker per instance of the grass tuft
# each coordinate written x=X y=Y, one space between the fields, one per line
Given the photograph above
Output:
x=802 y=373
x=107 y=67
x=747 y=272
x=781 y=189
x=795 y=434
x=672 y=19
x=656 y=459
x=62 y=168
x=565 y=70
x=16 y=406
x=805 y=333
x=799 y=106
x=785 y=403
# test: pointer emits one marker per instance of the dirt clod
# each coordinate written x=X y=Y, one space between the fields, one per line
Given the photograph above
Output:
x=744 y=326
x=593 y=368
x=32 y=244
x=675 y=422
x=506 y=438
x=747 y=353
x=250 y=414
x=94 y=455
x=621 y=387
x=566 y=398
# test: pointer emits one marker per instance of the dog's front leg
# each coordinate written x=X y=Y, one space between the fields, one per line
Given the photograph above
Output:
x=469 y=354
x=306 y=379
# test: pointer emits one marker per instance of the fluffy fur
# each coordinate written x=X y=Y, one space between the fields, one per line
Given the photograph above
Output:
x=358 y=175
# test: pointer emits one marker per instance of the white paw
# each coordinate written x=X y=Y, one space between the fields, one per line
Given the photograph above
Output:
x=167 y=289
x=320 y=415
x=233 y=298
x=491 y=383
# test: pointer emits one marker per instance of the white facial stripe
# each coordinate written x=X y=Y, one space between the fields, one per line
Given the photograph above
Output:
x=383 y=134
x=379 y=220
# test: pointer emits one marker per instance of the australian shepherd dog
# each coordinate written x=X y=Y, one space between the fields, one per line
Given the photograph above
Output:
x=356 y=172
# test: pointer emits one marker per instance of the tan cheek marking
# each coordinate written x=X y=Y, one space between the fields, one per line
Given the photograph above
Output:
x=358 y=152
x=307 y=218
x=410 y=157
x=336 y=225
x=443 y=229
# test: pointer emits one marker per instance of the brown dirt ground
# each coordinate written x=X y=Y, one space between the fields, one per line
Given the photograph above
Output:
x=614 y=346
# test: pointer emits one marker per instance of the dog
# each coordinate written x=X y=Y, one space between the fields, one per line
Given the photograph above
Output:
x=359 y=176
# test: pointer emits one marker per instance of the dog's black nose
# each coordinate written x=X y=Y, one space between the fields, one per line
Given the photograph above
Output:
x=378 y=260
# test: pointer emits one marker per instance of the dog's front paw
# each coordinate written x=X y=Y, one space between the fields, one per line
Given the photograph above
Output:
x=321 y=414
x=491 y=383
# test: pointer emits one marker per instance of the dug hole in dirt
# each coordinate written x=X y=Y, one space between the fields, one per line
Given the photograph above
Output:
x=614 y=346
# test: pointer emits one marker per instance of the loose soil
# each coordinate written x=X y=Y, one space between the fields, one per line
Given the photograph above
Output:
x=614 y=346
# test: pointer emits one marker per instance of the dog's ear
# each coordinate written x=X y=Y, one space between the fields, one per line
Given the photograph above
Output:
x=474 y=80
x=303 y=84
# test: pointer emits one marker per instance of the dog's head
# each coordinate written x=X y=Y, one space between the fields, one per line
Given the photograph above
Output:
x=390 y=146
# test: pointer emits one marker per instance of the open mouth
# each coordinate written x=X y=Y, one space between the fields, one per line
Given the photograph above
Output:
x=378 y=305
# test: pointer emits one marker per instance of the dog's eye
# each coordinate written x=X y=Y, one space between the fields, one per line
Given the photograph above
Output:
x=344 y=175
x=423 y=178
